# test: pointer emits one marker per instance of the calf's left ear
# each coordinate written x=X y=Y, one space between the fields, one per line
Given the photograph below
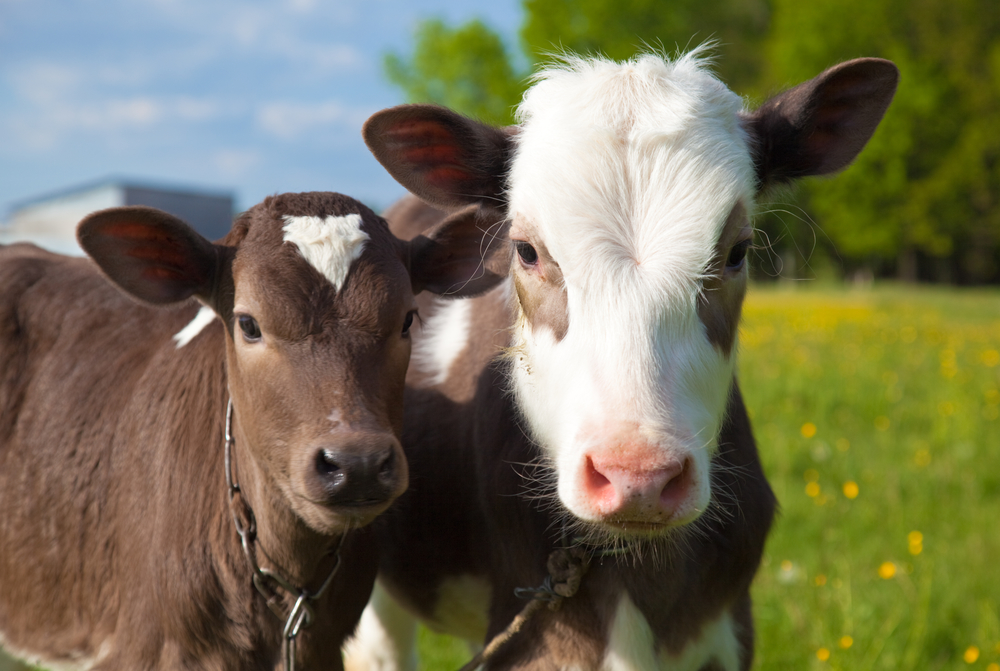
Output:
x=821 y=125
x=465 y=255
x=151 y=255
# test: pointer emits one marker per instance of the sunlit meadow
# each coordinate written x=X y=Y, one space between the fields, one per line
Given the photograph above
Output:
x=876 y=412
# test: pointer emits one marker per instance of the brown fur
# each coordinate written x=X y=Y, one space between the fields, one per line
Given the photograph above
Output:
x=117 y=545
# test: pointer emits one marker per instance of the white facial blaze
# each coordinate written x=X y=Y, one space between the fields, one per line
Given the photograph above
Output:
x=627 y=174
x=330 y=244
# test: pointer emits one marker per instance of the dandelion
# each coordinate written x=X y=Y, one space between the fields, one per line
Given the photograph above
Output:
x=808 y=430
x=851 y=489
x=993 y=667
x=971 y=654
x=846 y=642
x=887 y=570
x=915 y=539
x=822 y=654
x=812 y=489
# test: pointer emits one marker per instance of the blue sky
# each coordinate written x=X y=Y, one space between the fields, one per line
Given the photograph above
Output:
x=252 y=98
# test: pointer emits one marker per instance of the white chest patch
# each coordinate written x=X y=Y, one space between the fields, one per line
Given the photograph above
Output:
x=444 y=337
x=204 y=317
x=329 y=244
x=631 y=645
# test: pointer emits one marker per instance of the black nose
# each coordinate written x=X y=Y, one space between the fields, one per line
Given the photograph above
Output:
x=356 y=474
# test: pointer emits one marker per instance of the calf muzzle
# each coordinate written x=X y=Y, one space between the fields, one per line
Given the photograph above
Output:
x=362 y=472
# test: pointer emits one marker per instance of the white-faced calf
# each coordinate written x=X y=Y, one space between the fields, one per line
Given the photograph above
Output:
x=118 y=538
x=590 y=400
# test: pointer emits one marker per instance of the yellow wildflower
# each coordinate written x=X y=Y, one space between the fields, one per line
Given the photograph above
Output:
x=887 y=570
x=808 y=430
x=822 y=654
x=851 y=489
x=971 y=654
x=846 y=642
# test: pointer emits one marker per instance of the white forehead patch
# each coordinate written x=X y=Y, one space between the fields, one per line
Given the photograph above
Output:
x=195 y=326
x=330 y=244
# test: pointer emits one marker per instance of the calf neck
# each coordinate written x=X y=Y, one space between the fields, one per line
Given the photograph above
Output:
x=118 y=541
x=590 y=401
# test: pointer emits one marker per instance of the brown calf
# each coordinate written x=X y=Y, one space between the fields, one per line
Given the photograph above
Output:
x=118 y=538
x=589 y=404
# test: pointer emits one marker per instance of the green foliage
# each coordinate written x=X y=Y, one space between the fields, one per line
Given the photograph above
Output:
x=927 y=187
x=619 y=29
x=929 y=180
x=465 y=68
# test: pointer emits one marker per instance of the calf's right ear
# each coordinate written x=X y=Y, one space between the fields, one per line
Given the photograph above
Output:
x=151 y=255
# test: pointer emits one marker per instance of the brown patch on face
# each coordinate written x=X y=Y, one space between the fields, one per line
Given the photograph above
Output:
x=723 y=290
x=541 y=289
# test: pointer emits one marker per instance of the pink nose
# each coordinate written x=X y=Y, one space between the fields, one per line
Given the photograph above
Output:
x=621 y=491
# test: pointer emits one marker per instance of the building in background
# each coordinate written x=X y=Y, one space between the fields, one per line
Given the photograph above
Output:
x=50 y=221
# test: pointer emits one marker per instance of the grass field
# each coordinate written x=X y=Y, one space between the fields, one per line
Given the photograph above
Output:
x=876 y=412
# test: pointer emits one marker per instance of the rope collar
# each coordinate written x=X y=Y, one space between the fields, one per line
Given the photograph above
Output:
x=269 y=583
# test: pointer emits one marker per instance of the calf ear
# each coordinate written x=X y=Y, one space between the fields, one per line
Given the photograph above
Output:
x=152 y=255
x=464 y=255
x=445 y=158
x=819 y=126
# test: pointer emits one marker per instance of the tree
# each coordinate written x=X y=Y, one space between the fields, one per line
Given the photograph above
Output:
x=925 y=190
x=465 y=68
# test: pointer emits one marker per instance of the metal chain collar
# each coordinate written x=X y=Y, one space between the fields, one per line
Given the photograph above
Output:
x=268 y=582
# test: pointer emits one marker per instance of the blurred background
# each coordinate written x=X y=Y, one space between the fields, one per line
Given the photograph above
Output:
x=245 y=99
x=870 y=355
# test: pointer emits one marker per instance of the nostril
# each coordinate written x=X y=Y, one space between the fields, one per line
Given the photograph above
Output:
x=387 y=467
x=675 y=490
x=328 y=465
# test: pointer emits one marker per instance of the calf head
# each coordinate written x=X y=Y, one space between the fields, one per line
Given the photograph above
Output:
x=627 y=191
x=317 y=298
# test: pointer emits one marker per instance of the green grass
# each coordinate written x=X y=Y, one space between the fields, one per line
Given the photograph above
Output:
x=890 y=395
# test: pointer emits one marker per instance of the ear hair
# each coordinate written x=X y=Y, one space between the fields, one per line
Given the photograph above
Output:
x=464 y=255
x=441 y=156
x=820 y=126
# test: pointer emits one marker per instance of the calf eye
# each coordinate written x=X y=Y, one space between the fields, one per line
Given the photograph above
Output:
x=527 y=253
x=408 y=322
x=737 y=255
x=250 y=328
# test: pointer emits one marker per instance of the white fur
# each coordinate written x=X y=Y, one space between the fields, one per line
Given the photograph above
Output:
x=631 y=646
x=627 y=173
x=443 y=339
x=386 y=637
x=204 y=317
x=330 y=244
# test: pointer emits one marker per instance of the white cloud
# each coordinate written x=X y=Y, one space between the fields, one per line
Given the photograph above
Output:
x=235 y=163
x=290 y=121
